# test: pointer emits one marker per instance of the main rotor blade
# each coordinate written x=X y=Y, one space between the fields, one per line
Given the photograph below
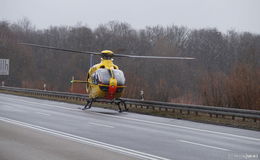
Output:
x=152 y=57
x=59 y=49
x=114 y=55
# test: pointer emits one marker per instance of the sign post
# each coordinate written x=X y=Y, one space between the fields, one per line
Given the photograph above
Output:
x=4 y=66
x=142 y=95
x=4 y=70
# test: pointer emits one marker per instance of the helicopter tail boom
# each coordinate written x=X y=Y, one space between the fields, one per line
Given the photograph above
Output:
x=78 y=81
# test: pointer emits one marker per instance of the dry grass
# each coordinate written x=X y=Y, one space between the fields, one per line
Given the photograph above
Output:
x=239 y=89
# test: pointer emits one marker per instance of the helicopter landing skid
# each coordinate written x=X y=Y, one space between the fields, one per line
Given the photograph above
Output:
x=89 y=104
x=118 y=102
x=119 y=105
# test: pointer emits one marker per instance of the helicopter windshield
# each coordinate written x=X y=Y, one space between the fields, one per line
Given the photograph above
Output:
x=102 y=76
x=119 y=76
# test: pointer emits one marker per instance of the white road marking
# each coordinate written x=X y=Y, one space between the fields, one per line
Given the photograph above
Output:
x=14 y=110
x=17 y=110
x=150 y=122
x=204 y=145
x=182 y=127
x=50 y=105
x=45 y=114
x=102 y=125
x=11 y=107
x=83 y=140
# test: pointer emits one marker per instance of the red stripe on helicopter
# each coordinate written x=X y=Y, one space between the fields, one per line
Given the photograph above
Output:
x=111 y=92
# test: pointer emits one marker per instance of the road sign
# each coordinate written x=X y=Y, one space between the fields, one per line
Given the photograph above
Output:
x=4 y=66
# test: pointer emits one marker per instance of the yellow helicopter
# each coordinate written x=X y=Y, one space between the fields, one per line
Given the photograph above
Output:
x=105 y=80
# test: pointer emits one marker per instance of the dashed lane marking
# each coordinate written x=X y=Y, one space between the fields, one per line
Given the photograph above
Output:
x=151 y=122
x=83 y=140
x=204 y=145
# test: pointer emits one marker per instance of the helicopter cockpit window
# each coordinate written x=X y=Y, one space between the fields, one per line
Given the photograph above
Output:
x=119 y=76
x=94 y=78
x=101 y=76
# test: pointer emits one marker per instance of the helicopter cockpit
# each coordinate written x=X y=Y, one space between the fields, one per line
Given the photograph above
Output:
x=103 y=76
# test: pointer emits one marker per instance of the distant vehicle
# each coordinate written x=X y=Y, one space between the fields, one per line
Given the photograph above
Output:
x=105 y=80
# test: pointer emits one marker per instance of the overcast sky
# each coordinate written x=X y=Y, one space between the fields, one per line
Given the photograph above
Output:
x=240 y=15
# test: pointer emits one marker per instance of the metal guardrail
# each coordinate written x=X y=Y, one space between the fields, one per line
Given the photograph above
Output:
x=211 y=110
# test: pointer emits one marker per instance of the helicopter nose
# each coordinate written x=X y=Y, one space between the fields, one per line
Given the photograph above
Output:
x=112 y=88
x=111 y=91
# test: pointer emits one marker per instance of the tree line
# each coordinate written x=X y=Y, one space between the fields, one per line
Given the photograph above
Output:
x=225 y=72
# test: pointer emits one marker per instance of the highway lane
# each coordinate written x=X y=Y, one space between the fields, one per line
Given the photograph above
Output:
x=154 y=137
x=20 y=143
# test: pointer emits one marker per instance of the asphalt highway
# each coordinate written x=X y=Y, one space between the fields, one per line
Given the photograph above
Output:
x=40 y=129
